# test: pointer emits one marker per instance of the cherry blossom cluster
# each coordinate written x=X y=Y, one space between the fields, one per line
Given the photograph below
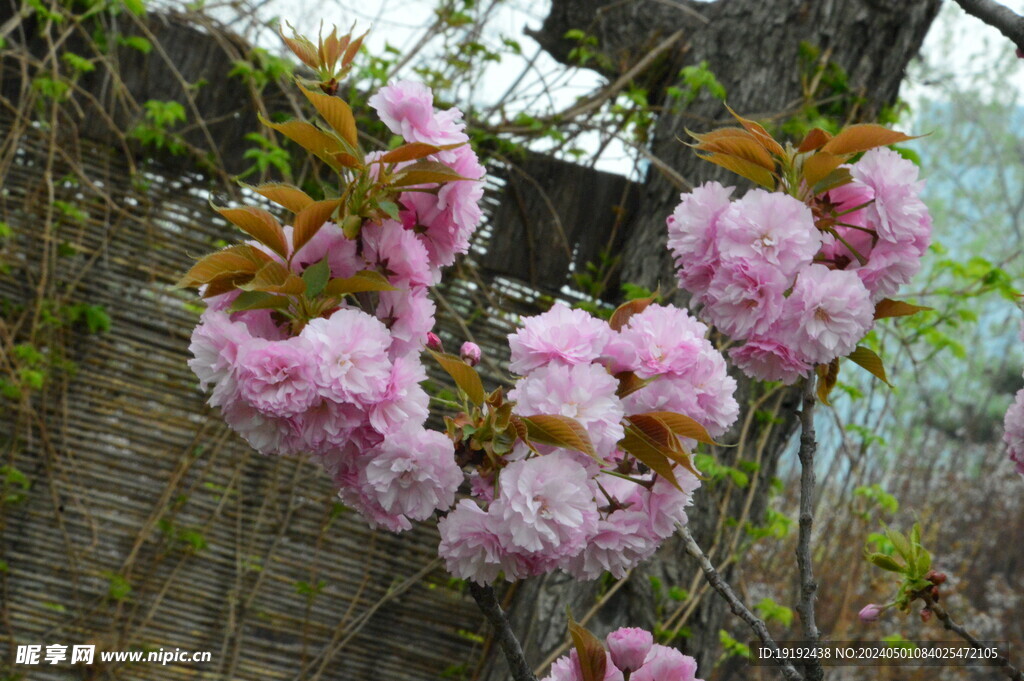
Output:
x=545 y=507
x=631 y=654
x=1013 y=427
x=798 y=281
x=345 y=388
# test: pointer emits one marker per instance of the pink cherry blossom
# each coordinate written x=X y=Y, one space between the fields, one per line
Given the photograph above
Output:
x=585 y=392
x=473 y=545
x=692 y=234
x=896 y=211
x=769 y=226
x=398 y=253
x=663 y=339
x=767 y=359
x=745 y=297
x=546 y=504
x=404 y=401
x=666 y=664
x=351 y=351
x=560 y=335
x=827 y=314
x=1013 y=435
x=413 y=473
x=277 y=377
x=629 y=647
x=407 y=108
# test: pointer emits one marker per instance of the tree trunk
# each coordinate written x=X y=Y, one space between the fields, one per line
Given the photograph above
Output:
x=754 y=48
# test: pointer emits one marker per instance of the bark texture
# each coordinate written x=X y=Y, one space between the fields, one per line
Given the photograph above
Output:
x=753 y=47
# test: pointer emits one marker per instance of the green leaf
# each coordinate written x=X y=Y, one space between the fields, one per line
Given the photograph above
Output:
x=316 y=277
x=867 y=358
x=136 y=7
x=559 y=431
x=464 y=376
x=885 y=562
x=258 y=300
x=362 y=282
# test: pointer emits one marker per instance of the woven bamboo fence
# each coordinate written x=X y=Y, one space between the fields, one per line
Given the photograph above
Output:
x=131 y=517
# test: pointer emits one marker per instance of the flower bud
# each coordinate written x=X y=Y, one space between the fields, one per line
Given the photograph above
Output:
x=935 y=593
x=936 y=577
x=926 y=614
x=470 y=353
x=629 y=647
x=434 y=342
x=870 y=613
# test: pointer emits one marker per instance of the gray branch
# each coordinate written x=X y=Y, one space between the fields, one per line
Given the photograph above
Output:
x=488 y=603
x=804 y=558
x=940 y=612
x=1008 y=22
x=722 y=587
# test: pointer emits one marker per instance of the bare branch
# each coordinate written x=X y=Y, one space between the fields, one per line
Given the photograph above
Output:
x=940 y=612
x=808 y=587
x=1008 y=22
x=741 y=610
x=488 y=603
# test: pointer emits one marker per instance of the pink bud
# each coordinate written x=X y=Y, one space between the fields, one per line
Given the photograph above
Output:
x=434 y=342
x=870 y=613
x=1020 y=53
x=470 y=353
x=629 y=647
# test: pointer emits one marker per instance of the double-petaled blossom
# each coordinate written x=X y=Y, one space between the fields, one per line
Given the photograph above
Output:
x=799 y=284
x=631 y=651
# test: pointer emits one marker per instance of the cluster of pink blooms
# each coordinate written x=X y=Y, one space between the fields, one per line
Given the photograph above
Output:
x=631 y=653
x=1013 y=427
x=346 y=389
x=764 y=273
x=559 y=508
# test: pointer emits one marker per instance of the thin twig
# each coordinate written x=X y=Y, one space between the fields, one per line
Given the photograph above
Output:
x=940 y=612
x=742 y=611
x=808 y=587
x=488 y=603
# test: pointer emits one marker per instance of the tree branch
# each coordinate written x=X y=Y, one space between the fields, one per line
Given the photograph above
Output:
x=488 y=604
x=804 y=559
x=1008 y=22
x=940 y=612
x=741 y=610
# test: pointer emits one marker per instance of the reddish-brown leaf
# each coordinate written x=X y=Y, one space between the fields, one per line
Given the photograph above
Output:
x=286 y=195
x=896 y=308
x=559 y=431
x=760 y=133
x=743 y=168
x=414 y=151
x=361 y=282
x=425 y=172
x=747 y=149
x=867 y=358
x=828 y=376
x=815 y=139
x=310 y=219
x=591 y=654
x=274 y=277
x=310 y=138
x=464 y=376
x=337 y=114
x=620 y=318
x=241 y=259
x=863 y=136
x=684 y=426
x=260 y=225
x=819 y=166
x=649 y=452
